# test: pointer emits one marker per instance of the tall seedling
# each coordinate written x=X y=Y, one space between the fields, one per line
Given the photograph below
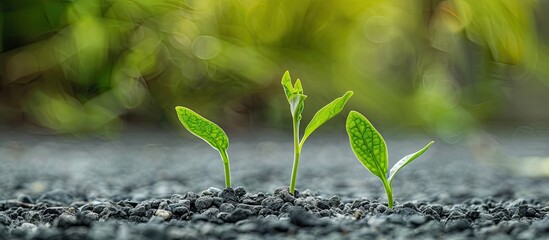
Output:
x=296 y=98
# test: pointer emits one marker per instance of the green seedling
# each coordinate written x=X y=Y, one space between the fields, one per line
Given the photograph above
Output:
x=296 y=99
x=371 y=150
x=209 y=132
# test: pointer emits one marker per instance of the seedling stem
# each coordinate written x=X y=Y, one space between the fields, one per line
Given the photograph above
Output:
x=227 y=167
x=297 y=152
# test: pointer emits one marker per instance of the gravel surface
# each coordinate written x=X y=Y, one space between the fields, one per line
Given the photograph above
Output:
x=162 y=185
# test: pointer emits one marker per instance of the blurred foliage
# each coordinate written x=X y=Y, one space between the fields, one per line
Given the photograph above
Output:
x=448 y=66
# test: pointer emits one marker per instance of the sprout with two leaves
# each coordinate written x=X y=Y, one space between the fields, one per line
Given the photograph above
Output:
x=371 y=150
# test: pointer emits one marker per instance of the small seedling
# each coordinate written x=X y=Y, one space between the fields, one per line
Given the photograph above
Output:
x=371 y=150
x=209 y=132
x=296 y=99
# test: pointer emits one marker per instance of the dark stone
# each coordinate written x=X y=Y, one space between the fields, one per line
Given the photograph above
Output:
x=266 y=211
x=410 y=205
x=25 y=199
x=66 y=220
x=432 y=213
x=53 y=211
x=229 y=195
x=98 y=208
x=179 y=211
x=5 y=219
x=240 y=191
x=531 y=212
x=217 y=201
x=149 y=213
x=300 y=217
x=406 y=211
x=335 y=201
x=203 y=202
x=226 y=207
x=522 y=209
x=380 y=209
x=191 y=196
x=245 y=206
x=273 y=203
x=211 y=212
x=163 y=205
x=285 y=208
x=323 y=204
x=138 y=211
x=473 y=215
x=437 y=208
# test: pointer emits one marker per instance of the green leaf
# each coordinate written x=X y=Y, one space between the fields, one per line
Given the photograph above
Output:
x=287 y=85
x=367 y=144
x=298 y=89
x=326 y=113
x=203 y=128
x=297 y=105
x=405 y=160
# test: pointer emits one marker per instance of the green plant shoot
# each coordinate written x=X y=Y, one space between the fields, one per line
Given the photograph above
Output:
x=371 y=150
x=296 y=98
x=209 y=132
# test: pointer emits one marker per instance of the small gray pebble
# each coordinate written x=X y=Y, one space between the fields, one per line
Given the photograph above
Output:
x=240 y=191
x=226 y=207
x=25 y=198
x=335 y=201
x=381 y=209
x=203 y=202
x=273 y=203
x=5 y=219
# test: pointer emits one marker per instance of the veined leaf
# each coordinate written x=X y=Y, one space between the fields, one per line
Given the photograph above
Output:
x=405 y=160
x=326 y=113
x=203 y=128
x=367 y=144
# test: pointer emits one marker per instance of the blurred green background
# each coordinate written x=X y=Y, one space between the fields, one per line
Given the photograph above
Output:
x=448 y=67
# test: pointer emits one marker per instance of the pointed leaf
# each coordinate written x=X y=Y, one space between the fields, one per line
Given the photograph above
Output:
x=405 y=160
x=367 y=144
x=203 y=128
x=326 y=113
x=298 y=89
x=287 y=85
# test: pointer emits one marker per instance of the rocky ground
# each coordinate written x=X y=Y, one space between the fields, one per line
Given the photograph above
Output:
x=162 y=185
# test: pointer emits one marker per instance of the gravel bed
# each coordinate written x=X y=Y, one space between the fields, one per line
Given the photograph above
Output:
x=159 y=185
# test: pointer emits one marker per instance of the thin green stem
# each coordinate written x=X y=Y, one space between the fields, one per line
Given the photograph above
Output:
x=297 y=152
x=227 y=167
x=389 y=192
